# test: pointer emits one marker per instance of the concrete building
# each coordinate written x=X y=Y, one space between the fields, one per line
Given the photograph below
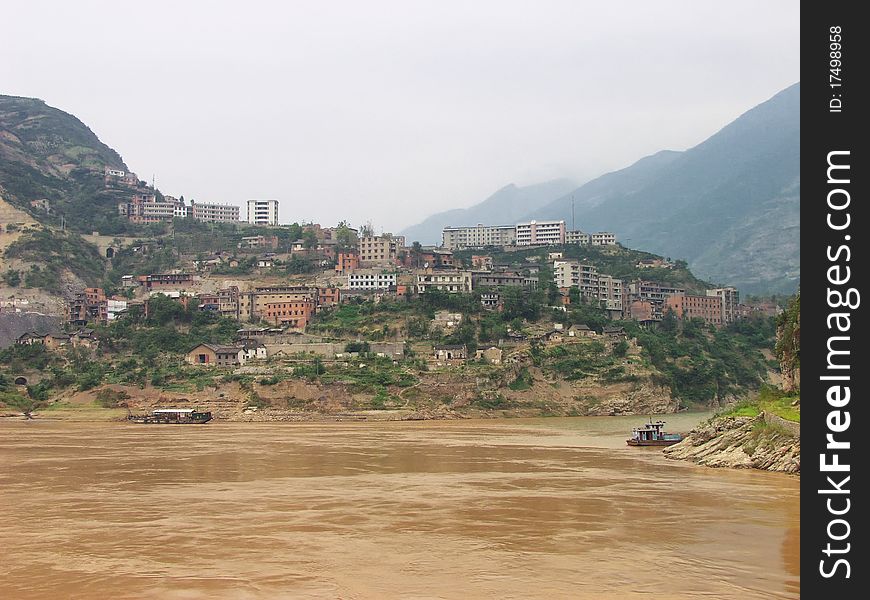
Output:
x=452 y=282
x=539 y=233
x=730 y=299
x=497 y=280
x=88 y=306
x=648 y=291
x=262 y=212
x=478 y=236
x=214 y=213
x=371 y=279
x=380 y=250
x=602 y=238
x=572 y=273
x=577 y=237
x=610 y=294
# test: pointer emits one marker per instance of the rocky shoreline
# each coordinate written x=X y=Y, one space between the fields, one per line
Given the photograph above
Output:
x=764 y=442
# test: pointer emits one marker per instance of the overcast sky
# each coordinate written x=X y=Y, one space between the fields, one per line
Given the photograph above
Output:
x=390 y=111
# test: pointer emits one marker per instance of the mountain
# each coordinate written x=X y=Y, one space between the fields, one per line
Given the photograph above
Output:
x=730 y=206
x=47 y=154
x=506 y=206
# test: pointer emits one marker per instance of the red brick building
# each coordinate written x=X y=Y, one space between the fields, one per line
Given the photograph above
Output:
x=294 y=314
x=347 y=262
x=708 y=308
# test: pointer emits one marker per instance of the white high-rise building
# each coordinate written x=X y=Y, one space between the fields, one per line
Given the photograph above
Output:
x=263 y=212
x=535 y=233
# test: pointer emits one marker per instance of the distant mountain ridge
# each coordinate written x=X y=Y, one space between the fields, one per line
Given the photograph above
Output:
x=506 y=206
x=730 y=206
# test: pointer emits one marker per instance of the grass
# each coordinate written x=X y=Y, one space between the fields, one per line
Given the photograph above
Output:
x=770 y=400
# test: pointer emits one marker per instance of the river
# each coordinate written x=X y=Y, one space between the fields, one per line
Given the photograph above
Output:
x=531 y=508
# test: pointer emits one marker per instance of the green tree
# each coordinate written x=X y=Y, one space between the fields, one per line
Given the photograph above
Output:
x=12 y=278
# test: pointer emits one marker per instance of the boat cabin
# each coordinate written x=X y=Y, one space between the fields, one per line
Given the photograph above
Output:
x=172 y=415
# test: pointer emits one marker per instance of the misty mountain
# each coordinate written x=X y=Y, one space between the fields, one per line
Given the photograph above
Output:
x=505 y=207
x=730 y=206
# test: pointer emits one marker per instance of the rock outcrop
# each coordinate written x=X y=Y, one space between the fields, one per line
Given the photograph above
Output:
x=744 y=443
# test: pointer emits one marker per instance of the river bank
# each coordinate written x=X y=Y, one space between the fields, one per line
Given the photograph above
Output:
x=765 y=442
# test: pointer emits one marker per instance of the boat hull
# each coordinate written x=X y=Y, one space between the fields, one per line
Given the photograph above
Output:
x=198 y=418
x=652 y=442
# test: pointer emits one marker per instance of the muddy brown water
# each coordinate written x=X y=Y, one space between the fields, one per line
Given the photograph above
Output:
x=533 y=508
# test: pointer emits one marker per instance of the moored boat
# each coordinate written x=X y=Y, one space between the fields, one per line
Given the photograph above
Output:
x=651 y=434
x=172 y=416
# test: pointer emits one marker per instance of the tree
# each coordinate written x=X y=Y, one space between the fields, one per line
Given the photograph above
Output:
x=12 y=278
x=345 y=236
x=416 y=254
x=309 y=239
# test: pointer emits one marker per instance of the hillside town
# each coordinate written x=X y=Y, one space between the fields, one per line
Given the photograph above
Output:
x=274 y=313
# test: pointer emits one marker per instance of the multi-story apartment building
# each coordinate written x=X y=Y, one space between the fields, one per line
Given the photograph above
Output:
x=214 y=213
x=540 y=233
x=686 y=306
x=262 y=212
x=610 y=293
x=489 y=279
x=88 y=306
x=730 y=298
x=382 y=250
x=602 y=238
x=144 y=207
x=371 y=279
x=571 y=273
x=577 y=237
x=291 y=313
x=169 y=280
x=448 y=281
x=478 y=236
x=346 y=262
x=652 y=292
x=253 y=304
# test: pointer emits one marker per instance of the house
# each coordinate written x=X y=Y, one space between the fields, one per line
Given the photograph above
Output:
x=84 y=338
x=216 y=356
x=615 y=333
x=555 y=336
x=491 y=300
x=30 y=338
x=491 y=355
x=581 y=330
x=252 y=350
x=446 y=319
x=53 y=341
x=447 y=353
x=265 y=263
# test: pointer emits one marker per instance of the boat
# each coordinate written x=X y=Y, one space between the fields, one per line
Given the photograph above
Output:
x=651 y=434
x=172 y=416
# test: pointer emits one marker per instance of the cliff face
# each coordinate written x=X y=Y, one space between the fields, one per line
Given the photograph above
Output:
x=788 y=345
x=762 y=442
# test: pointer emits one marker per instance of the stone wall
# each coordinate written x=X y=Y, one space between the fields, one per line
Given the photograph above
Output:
x=791 y=426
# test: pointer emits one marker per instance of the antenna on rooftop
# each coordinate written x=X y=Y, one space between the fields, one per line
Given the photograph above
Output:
x=573 y=228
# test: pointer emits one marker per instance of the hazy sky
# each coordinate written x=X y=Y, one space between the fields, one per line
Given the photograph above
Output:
x=390 y=111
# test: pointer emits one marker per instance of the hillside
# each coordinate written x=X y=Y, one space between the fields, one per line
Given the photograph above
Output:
x=505 y=206
x=47 y=154
x=729 y=206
